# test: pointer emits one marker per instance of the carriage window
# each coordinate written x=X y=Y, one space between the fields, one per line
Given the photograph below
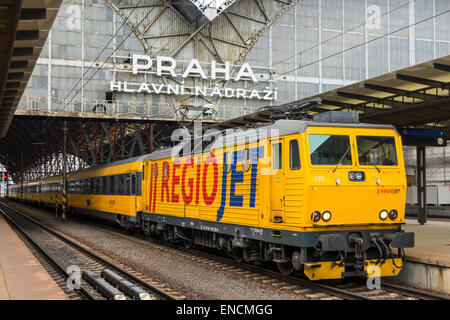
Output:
x=99 y=185
x=379 y=151
x=227 y=160
x=246 y=163
x=111 y=185
x=105 y=184
x=127 y=184
x=294 y=155
x=276 y=156
x=120 y=183
x=330 y=149
x=165 y=169
x=133 y=184
x=155 y=171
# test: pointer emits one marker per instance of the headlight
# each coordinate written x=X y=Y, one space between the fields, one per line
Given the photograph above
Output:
x=393 y=214
x=356 y=176
x=351 y=176
x=383 y=214
x=315 y=216
x=326 y=216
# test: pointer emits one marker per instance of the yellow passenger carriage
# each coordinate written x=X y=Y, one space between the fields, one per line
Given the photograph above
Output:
x=111 y=191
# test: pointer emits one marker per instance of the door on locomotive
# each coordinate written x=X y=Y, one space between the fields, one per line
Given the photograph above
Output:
x=276 y=181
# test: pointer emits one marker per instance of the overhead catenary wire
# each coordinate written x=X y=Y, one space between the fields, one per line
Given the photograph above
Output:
x=354 y=47
x=340 y=34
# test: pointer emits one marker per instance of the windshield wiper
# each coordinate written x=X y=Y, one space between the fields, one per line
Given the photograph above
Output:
x=370 y=161
x=374 y=165
x=342 y=158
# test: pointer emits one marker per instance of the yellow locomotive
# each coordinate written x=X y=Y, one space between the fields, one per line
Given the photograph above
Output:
x=323 y=198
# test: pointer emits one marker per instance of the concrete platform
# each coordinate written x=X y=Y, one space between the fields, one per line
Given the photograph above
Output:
x=22 y=277
x=428 y=263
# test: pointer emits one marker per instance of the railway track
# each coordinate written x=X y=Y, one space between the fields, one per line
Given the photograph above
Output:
x=60 y=254
x=325 y=290
x=334 y=289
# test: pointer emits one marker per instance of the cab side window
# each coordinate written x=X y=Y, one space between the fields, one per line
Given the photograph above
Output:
x=294 y=155
x=277 y=156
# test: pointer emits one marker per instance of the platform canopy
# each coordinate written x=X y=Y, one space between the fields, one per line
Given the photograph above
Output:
x=24 y=27
x=416 y=96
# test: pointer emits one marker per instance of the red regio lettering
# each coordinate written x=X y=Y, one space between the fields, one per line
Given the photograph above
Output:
x=165 y=181
x=187 y=198
x=175 y=180
x=210 y=160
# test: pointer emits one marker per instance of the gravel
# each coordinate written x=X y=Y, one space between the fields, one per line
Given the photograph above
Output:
x=197 y=279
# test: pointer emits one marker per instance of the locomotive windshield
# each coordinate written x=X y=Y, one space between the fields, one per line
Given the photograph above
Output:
x=329 y=149
x=379 y=151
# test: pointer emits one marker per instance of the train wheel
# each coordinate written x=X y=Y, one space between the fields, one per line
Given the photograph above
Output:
x=285 y=268
x=165 y=235
x=187 y=243
x=238 y=255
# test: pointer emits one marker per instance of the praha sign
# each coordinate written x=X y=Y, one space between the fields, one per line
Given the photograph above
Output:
x=167 y=66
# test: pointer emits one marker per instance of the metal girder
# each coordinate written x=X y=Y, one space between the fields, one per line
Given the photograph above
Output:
x=425 y=81
x=440 y=66
x=346 y=105
x=422 y=94
x=385 y=101
x=417 y=114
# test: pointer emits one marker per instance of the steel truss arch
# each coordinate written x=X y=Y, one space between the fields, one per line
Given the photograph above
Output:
x=163 y=30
